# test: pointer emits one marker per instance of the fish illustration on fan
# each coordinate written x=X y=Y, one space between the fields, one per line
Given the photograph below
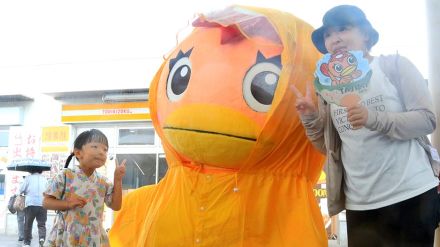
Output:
x=341 y=78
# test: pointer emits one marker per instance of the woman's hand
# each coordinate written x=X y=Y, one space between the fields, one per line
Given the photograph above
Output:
x=357 y=116
x=304 y=104
x=119 y=171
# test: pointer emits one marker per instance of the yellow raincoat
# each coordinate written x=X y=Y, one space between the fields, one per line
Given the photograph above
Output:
x=240 y=168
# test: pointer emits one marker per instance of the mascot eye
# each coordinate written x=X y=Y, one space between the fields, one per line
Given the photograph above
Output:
x=178 y=79
x=338 y=68
x=259 y=85
x=351 y=60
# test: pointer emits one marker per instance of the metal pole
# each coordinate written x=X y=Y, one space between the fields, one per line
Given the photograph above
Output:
x=433 y=27
x=433 y=22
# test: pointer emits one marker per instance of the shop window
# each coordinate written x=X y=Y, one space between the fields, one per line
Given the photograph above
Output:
x=4 y=138
x=136 y=136
x=2 y=184
x=163 y=166
x=140 y=170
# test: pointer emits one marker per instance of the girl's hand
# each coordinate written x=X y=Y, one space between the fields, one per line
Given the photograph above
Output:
x=119 y=171
x=74 y=201
x=304 y=104
x=357 y=116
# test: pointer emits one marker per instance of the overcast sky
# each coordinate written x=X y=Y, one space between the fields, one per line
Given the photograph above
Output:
x=57 y=45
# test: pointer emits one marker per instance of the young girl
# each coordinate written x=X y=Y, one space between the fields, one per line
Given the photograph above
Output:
x=79 y=194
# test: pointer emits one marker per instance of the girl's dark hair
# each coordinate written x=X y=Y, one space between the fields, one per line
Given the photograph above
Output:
x=85 y=137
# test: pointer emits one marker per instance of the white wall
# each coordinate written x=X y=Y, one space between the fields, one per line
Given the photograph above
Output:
x=60 y=46
x=43 y=111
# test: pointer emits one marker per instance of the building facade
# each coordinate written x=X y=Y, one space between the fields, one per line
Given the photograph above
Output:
x=45 y=127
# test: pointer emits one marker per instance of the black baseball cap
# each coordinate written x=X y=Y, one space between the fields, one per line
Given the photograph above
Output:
x=343 y=15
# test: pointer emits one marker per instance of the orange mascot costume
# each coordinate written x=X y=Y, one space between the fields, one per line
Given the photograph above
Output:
x=240 y=168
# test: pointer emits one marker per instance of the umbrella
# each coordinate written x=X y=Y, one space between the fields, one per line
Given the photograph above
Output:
x=29 y=165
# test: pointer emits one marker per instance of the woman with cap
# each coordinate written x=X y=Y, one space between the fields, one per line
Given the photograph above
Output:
x=376 y=169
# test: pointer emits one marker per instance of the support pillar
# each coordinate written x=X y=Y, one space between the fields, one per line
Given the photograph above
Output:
x=433 y=29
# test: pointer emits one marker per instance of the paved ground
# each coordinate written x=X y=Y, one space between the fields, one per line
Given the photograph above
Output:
x=9 y=237
x=336 y=243
x=11 y=241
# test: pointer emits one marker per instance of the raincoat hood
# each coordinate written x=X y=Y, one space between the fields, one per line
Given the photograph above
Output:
x=227 y=112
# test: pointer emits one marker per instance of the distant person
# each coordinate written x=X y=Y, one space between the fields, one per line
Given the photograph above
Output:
x=80 y=193
x=376 y=167
x=33 y=187
x=20 y=217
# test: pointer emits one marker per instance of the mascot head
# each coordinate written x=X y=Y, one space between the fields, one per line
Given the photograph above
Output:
x=222 y=96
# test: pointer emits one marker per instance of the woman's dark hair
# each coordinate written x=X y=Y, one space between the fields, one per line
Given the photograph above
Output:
x=372 y=40
x=85 y=137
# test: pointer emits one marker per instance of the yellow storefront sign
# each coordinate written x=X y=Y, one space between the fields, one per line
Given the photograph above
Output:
x=55 y=139
x=55 y=134
x=126 y=111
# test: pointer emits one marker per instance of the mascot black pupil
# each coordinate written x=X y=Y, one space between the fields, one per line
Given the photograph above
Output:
x=263 y=88
x=180 y=80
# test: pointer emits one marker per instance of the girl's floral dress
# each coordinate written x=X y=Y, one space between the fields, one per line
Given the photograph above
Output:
x=80 y=226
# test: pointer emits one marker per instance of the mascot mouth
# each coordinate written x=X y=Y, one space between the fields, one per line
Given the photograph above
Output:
x=212 y=135
x=210 y=147
x=209 y=132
